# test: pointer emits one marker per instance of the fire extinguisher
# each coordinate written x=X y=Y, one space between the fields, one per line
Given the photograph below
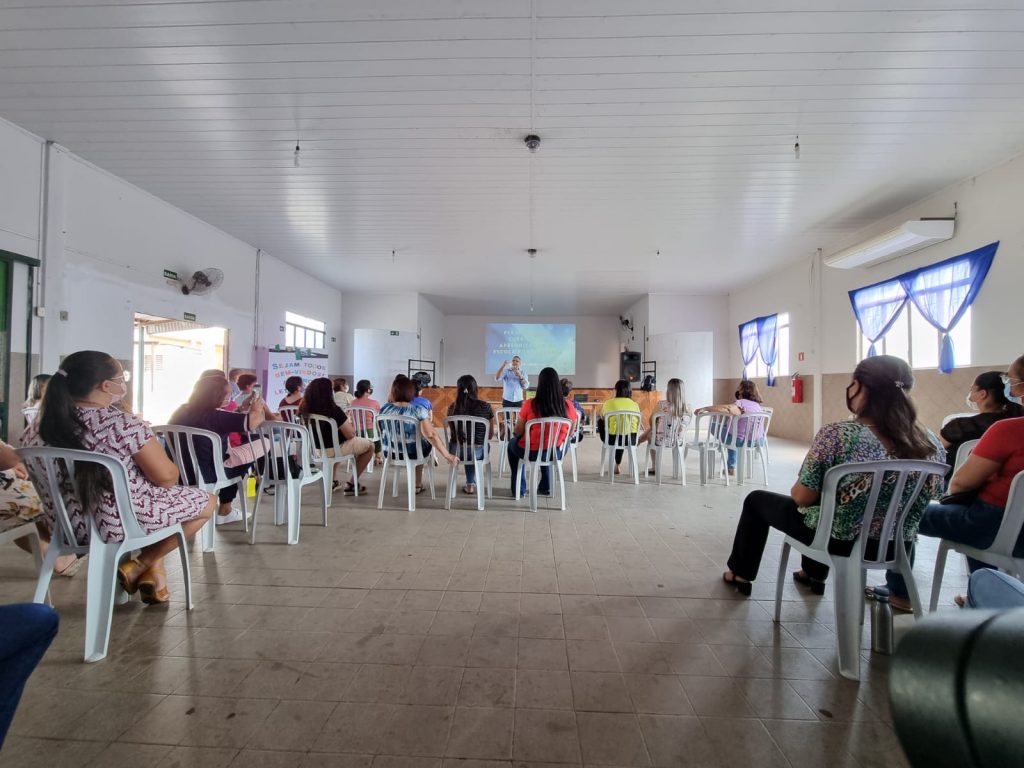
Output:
x=796 y=388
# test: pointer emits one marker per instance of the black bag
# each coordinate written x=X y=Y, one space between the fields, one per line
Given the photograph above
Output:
x=961 y=499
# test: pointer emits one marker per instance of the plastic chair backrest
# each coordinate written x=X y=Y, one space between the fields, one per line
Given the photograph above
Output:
x=53 y=471
x=362 y=418
x=547 y=438
x=752 y=425
x=900 y=472
x=283 y=440
x=317 y=426
x=770 y=412
x=180 y=443
x=716 y=425
x=626 y=423
x=290 y=413
x=392 y=428
x=670 y=435
x=963 y=452
x=1013 y=520
x=507 y=417
x=462 y=433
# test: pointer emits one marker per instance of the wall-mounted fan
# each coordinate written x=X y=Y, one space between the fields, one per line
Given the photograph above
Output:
x=201 y=282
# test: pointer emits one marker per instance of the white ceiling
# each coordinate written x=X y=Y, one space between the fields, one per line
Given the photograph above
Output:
x=667 y=125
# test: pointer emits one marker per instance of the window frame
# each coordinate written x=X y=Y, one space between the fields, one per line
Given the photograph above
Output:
x=303 y=332
x=906 y=317
x=782 y=368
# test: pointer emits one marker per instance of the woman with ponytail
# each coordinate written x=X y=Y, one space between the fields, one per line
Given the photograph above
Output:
x=468 y=403
x=78 y=413
x=884 y=426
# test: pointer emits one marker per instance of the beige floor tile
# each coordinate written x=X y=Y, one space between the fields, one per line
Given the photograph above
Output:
x=198 y=757
x=356 y=728
x=379 y=683
x=487 y=651
x=541 y=654
x=599 y=692
x=611 y=739
x=201 y=721
x=497 y=624
x=437 y=686
x=461 y=601
x=658 y=694
x=444 y=651
x=543 y=689
x=406 y=761
x=479 y=732
x=488 y=688
x=546 y=735
x=678 y=742
x=293 y=725
x=120 y=755
x=418 y=730
x=592 y=656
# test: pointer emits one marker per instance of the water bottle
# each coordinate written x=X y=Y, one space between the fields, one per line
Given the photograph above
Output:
x=881 y=625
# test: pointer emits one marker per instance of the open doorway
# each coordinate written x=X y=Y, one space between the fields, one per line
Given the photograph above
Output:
x=168 y=357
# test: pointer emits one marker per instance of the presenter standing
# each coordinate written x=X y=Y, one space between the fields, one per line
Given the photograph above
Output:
x=514 y=383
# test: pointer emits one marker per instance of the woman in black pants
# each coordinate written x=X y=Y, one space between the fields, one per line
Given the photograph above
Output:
x=884 y=427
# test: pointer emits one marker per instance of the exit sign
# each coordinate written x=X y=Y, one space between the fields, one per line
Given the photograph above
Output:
x=170 y=274
x=190 y=317
x=394 y=333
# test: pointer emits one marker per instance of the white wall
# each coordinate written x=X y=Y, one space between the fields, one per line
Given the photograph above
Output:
x=431 y=330
x=283 y=288
x=597 y=347
x=20 y=160
x=675 y=313
x=388 y=311
x=688 y=355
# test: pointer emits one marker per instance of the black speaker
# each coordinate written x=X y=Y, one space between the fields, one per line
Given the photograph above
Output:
x=629 y=366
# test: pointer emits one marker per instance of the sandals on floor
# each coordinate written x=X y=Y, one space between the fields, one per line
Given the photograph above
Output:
x=350 y=489
x=743 y=587
x=420 y=489
x=469 y=489
x=817 y=585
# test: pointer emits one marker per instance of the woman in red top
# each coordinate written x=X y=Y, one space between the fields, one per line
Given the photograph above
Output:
x=547 y=402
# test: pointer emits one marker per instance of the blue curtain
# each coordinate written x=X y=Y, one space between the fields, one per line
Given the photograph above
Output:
x=767 y=343
x=748 y=344
x=876 y=308
x=944 y=291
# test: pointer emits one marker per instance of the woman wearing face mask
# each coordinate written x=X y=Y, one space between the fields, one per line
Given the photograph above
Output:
x=987 y=396
x=986 y=476
x=884 y=426
x=77 y=413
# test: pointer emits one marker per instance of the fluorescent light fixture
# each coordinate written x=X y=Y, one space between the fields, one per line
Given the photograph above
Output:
x=908 y=237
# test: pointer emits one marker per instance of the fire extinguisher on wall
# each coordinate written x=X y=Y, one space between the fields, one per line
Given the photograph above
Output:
x=796 y=388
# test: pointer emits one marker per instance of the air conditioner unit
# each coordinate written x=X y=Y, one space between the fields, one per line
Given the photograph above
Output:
x=908 y=237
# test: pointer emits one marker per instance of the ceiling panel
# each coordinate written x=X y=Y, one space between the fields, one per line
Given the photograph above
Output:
x=667 y=126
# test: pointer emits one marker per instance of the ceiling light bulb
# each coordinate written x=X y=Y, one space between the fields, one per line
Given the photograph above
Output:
x=295 y=160
x=796 y=148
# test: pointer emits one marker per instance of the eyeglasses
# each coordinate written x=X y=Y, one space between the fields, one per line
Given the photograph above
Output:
x=125 y=376
x=1011 y=381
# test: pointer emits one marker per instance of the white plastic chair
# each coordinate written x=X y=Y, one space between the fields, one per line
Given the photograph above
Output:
x=507 y=418
x=749 y=424
x=707 y=441
x=462 y=433
x=326 y=455
x=398 y=453
x=1000 y=553
x=627 y=426
x=962 y=453
x=180 y=443
x=31 y=532
x=574 y=443
x=849 y=574
x=362 y=418
x=52 y=471
x=770 y=412
x=290 y=413
x=547 y=456
x=673 y=441
x=283 y=440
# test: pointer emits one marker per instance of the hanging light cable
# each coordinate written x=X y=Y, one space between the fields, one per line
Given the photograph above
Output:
x=295 y=157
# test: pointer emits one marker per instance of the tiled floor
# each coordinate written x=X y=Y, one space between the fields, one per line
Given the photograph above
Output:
x=601 y=635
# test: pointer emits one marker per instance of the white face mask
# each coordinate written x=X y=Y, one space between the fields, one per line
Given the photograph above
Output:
x=971 y=404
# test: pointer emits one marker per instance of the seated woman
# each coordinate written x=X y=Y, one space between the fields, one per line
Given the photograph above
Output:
x=468 y=403
x=567 y=394
x=987 y=397
x=748 y=400
x=207 y=408
x=623 y=401
x=400 y=403
x=245 y=383
x=363 y=391
x=678 y=417
x=294 y=387
x=884 y=427
x=77 y=414
x=30 y=408
x=547 y=402
x=342 y=396
x=319 y=401
x=988 y=472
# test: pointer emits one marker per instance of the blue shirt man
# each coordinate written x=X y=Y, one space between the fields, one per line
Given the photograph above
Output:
x=513 y=382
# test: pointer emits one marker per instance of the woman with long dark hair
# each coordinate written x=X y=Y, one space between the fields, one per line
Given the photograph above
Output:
x=884 y=426
x=293 y=387
x=77 y=413
x=468 y=403
x=319 y=401
x=206 y=409
x=547 y=402
x=988 y=398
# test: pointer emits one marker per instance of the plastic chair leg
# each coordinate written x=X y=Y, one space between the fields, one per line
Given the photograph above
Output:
x=244 y=501
x=383 y=483
x=186 y=568
x=561 y=483
x=99 y=601
x=410 y=477
x=634 y=465
x=572 y=456
x=848 y=598
x=292 y=497
x=905 y=569
x=604 y=457
x=46 y=574
x=324 y=498
x=940 y=570
x=534 y=480
x=780 y=581
x=479 y=467
x=209 y=534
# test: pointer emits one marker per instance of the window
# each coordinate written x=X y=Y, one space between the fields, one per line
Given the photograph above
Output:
x=917 y=341
x=303 y=332
x=759 y=369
